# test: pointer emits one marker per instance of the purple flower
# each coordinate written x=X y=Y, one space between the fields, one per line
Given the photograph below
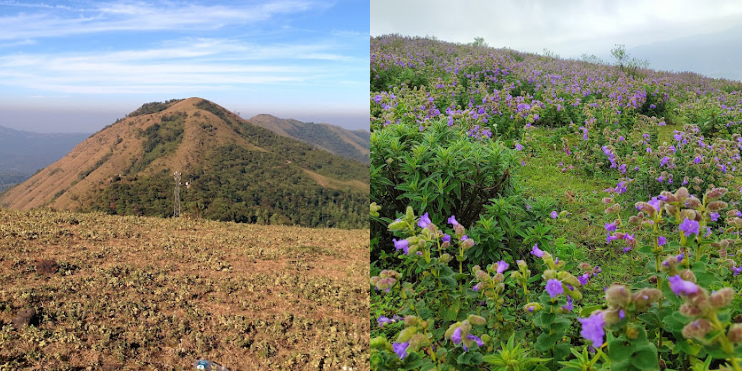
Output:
x=446 y=238
x=383 y=321
x=610 y=227
x=627 y=249
x=518 y=147
x=554 y=214
x=502 y=266
x=661 y=240
x=554 y=287
x=592 y=328
x=401 y=245
x=679 y=286
x=689 y=227
x=452 y=221
x=476 y=287
x=583 y=279
x=714 y=216
x=536 y=251
x=456 y=336
x=736 y=270
x=401 y=349
x=476 y=340
x=424 y=221
x=621 y=314
x=610 y=238
x=569 y=305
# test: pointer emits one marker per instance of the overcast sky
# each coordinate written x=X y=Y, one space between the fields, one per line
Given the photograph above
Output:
x=569 y=27
x=89 y=62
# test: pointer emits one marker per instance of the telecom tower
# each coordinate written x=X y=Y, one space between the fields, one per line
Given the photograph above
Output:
x=176 y=212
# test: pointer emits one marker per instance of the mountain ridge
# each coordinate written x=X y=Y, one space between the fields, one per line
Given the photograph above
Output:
x=352 y=144
x=232 y=166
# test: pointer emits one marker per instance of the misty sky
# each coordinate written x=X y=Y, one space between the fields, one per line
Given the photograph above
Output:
x=77 y=65
x=571 y=28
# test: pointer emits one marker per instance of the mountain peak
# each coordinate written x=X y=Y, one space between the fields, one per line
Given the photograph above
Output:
x=149 y=144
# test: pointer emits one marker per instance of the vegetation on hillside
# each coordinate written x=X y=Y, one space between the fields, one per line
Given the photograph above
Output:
x=614 y=244
x=239 y=185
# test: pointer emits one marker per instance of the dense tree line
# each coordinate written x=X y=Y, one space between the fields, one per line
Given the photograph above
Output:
x=239 y=185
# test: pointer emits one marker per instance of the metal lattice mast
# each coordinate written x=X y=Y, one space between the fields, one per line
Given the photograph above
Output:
x=176 y=212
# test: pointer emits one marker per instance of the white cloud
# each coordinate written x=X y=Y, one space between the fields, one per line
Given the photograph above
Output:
x=564 y=26
x=139 y=16
x=177 y=66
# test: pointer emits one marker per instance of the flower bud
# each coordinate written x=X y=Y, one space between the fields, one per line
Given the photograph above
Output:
x=379 y=342
x=574 y=294
x=716 y=206
x=645 y=207
x=607 y=200
x=568 y=278
x=467 y=243
x=549 y=274
x=613 y=316
x=418 y=341
x=692 y=203
x=406 y=334
x=690 y=310
x=643 y=298
x=445 y=258
x=722 y=298
x=681 y=194
x=687 y=275
x=653 y=279
x=697 y=329
x=532 y=307
x=585 y=267
x=735 y=333
x=459 y=230
x=476 y=320
x=715 y=193
x=410 y=321
x=632 y=333
x=398 y=225
x=669 y=197
x=617 y=296
x=689 y=214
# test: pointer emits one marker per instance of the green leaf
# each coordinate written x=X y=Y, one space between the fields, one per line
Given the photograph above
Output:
x=544 y=319
x=471 y=358
x=545 y=342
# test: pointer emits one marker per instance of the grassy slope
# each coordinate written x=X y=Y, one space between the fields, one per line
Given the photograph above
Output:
x=148 y=293
x=581 y=196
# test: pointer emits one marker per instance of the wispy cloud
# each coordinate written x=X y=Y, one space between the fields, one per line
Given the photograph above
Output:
x=138 y=16
x=180 y=65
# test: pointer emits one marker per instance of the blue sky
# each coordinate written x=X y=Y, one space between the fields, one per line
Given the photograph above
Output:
x=90 y=62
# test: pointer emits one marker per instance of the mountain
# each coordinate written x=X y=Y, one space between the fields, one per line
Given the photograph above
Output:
x=231 y=170
x=22 y=153
x=352 y=144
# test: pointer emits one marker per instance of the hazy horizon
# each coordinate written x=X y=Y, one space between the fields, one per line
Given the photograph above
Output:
x=91 y=121
x=78 y=65
x=684 y=35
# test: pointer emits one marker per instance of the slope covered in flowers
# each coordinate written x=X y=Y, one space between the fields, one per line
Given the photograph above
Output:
x=552 y=213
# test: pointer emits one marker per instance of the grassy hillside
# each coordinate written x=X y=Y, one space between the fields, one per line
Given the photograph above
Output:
x=158 y=294
x=550 y=213
x=350 y=144
x=235 y=171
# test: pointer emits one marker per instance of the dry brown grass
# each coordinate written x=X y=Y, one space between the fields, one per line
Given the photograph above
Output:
x=158 y=294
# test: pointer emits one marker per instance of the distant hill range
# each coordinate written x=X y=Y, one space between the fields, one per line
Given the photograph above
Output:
x=232 y=170
x=22 y=153
x=352 y=144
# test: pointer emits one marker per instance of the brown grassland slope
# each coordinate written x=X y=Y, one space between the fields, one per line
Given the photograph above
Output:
x=157 y=294
x=189 y=129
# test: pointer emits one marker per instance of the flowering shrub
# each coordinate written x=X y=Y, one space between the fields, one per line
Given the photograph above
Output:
x=495 y=288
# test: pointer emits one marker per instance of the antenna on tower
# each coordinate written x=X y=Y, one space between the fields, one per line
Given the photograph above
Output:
x=176 y=212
